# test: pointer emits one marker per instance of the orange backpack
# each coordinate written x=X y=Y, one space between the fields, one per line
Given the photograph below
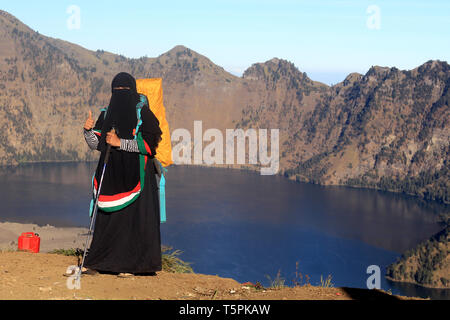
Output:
x=152 y=89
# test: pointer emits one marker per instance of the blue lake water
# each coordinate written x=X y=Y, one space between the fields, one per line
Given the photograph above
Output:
x=246 y=226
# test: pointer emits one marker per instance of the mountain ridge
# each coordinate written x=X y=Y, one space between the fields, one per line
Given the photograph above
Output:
x=180 y=48
x=328 y=134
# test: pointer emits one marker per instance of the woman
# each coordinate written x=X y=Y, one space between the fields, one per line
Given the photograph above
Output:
x=127 y=227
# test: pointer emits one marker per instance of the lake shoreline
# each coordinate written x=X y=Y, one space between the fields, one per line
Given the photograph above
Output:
x=246 y=168
x=416 y=284
x=73 y=187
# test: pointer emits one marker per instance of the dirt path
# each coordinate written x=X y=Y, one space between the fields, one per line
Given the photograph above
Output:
x=40 y=277
x=51 y=237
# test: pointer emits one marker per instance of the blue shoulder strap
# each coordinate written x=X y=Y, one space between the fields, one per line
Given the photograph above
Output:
x=162 y=192
x=138 y=113
x=105 y=110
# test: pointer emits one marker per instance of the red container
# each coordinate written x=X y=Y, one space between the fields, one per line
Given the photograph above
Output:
x=29 y=241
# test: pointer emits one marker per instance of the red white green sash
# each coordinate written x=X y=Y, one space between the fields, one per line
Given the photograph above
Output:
x=112 y=203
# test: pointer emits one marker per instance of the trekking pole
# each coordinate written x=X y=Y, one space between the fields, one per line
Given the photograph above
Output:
x=94 y=212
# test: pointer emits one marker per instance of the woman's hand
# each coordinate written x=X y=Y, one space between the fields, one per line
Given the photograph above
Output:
x=89 y=124
x=112 y=139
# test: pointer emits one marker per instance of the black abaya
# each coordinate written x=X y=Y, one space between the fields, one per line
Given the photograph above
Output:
x=127 y=236
x=129 y=240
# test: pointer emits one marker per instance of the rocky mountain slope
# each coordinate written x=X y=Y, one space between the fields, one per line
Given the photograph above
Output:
x=47 y=87
x=387 y=129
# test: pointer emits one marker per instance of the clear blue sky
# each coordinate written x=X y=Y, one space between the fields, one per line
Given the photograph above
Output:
x=327 y=39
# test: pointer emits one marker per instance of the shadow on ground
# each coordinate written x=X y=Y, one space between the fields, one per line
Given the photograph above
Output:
x=369 y=295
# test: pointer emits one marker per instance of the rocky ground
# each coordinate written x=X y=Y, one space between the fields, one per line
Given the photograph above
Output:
x=29 y=276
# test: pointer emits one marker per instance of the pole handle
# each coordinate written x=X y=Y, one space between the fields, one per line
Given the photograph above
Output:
x=108 y=149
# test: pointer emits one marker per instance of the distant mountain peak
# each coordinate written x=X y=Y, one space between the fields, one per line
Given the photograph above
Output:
x=434 y=66
x=351 y=78
x=436 y=63
x=429 y=66
x=179 y=48
x=276 y=60
x=273 y=69
x=377 y=70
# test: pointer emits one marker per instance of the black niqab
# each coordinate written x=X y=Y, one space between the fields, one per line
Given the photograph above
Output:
x=122 y=109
